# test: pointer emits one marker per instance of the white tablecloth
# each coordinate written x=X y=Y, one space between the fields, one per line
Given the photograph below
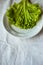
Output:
x=19 y=51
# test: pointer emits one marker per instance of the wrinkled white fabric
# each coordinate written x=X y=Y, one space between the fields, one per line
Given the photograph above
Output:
x=16 y=51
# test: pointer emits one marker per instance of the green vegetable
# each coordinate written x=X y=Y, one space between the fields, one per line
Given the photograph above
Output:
x=24 y=14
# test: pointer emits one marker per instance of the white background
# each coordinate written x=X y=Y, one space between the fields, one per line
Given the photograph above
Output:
x=19 y=51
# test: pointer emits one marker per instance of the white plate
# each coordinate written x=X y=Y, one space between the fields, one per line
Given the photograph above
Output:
x=27 y=34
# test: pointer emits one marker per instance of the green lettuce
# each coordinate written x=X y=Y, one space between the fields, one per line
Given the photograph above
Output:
x=24 y=14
